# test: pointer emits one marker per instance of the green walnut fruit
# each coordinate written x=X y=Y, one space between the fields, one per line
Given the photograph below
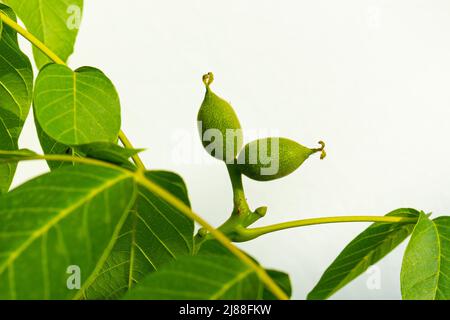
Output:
x=218 y=124
x=273 y=158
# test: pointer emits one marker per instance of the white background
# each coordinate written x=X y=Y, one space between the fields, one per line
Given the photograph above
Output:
x=371 y=78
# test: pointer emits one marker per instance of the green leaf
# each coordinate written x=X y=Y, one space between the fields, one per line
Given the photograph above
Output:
x=51 y=146
x=200 y=277
x=366 y=249
x=282 y=280
x=16 y=80
x=76 y=107
x=68 y=217
x=16 y=85
x=154 y=234
x=426 y=264
x=7 y=170
x=55 y=23
x=214 y=248
x=107 y=151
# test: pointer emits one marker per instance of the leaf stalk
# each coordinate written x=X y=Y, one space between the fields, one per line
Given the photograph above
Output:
x=246 y=234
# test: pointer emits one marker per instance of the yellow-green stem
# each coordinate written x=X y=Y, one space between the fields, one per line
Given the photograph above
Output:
x=127 y=143
x=54 y=57
x=252 y=233
x=60 y=158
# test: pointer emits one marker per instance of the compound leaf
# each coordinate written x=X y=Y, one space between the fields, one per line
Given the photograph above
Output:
x=54 y=22
x=51 y=146
x=426 y=264
x=214 y=248
x=7 y=170
x=201 y=277
x=154 y=234
x=16 y=83
x=282 y=279
x=76 y=107
x=366 y=249
x=68 y=217
x=107 y=151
